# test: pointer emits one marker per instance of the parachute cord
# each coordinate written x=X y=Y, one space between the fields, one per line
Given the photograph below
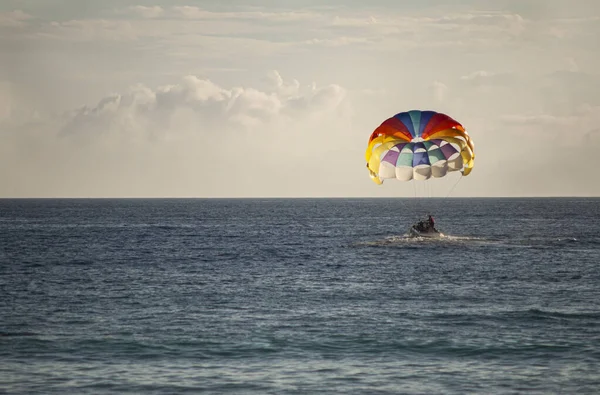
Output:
x=455 y=184
x=415 y=208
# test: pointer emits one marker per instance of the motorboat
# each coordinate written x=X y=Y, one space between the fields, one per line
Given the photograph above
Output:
x=432 y=234
x=423 y=229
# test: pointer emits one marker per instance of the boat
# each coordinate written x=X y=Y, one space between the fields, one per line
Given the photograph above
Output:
x=431 y=234
x=421 y=229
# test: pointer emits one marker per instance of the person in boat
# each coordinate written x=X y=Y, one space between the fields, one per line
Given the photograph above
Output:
x=420 y=226
x=426 y=225
x=423 y=226
x=431 y=221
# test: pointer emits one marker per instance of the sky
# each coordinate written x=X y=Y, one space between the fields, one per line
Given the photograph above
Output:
x=265 y=98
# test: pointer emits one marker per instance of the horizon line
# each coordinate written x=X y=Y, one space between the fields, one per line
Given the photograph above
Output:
x=293 y=197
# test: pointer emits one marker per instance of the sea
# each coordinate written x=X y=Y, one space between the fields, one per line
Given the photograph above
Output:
x=299 y=296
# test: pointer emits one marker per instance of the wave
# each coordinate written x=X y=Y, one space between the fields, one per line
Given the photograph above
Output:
x=407 y=240
x=536 y=313
x=18 y=334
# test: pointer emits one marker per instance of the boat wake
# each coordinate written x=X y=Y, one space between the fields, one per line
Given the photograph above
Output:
x=408 y=239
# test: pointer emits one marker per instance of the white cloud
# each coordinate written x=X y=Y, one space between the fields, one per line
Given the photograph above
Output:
x=555 y=130
x=335 y=27
x=207 y=102
x=481 y=19
x=317 y=100
x=131 y=143
x=565 y=91
x=541 y=120
x=482 y=78
x=462 y=25
x=89 y=30
x=147 y=12
x=354 y=22
x=477 y=75
x=15 y=18
x=283 y=88
x=337 y=41
x=191 y=89
x=192 y=12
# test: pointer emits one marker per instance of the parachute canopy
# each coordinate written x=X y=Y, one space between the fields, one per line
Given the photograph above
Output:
x=418 y=145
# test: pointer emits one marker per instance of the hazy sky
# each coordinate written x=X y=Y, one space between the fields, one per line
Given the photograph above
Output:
x=278 y=98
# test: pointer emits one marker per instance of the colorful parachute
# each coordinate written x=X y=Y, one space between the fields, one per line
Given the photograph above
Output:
x=417 y=145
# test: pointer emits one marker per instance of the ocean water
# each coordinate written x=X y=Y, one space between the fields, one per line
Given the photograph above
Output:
x=299 y=296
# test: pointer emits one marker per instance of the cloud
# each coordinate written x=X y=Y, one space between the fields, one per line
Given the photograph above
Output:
x=147 y=12
x=89 y=30
x=327 y=27
x=566 y=128
x=498 y=25
x=15 y=18
x=337 y=41
x=148 y=142
x=354 y=22
x=540 y=120
x=317 y=100
x=479 y=75
x=480 y=19
x=192 y=12
x=566 y=91
x=544 y=154
x=283 y=88
x=373 y=29
x=208 y=102
x=483 y=79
